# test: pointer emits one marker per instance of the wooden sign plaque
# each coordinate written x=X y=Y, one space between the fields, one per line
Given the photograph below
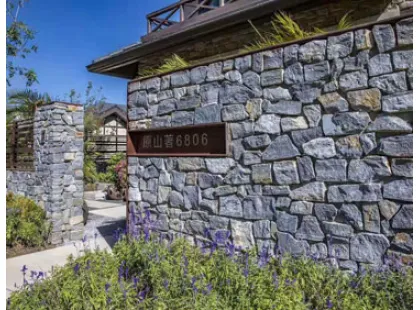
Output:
x=197 y=140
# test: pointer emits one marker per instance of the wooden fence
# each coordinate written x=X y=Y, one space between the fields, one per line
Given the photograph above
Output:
x=20 y=145
x=180 y=11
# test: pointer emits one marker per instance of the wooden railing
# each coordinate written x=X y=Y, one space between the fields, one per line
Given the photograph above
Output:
x=180 y=11
x=109 y=144
x=20 y=145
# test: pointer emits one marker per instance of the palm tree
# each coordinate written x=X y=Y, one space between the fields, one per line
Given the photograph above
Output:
x=23 y=103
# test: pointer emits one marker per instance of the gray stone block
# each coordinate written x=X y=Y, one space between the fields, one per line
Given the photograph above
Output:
x=365 y=100
x=313 y=114
x=313 y=51
x=331 y=170
x=268 y=123
x=399 y=190
x=192 y=197
x=198 y=75
x=314 y=191
x=353 y=80
x=390 y=123
x=380 y=64
x=404 y=30
x=368 y=169
x=349 y=146
x=243 y=64
x=234 y=112
x=368 y=248
x=337 y=229
x=397 y=146
x=283 y=107
x=261 y=174
x=242 y=234
x=325 y=212
x=290 y=54
x=355 y=193
x=262 y=229
x=363 y=39
x=219 y=165
x=390 y=83
x=317 y=71
x=400 y=102
x=384 y=37
x=333 y=103
x=272 y=59
x=340 y=46
x=293 y=74
x=310 y=229
x=286 y=172
x=371 y=218
x=272 y=77
x=305 y=168
x=287 y=244
x=293 y=123
x=320 y=148
x=402 y=167
x=281 y=148
x=276 y=93
x=404 y=218
x=301 y=207
x=257 y=141
x=230 y=206
x=402 y=60
x=286 y=222
x=344 y=123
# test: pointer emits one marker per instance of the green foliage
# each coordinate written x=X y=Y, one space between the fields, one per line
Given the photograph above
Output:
x=18 y=36
x=111 y=175
x=146 y=274
x=25 y=222
x=285 y=29
x=344 y=22
x=173 y=63
x=89 y=169
x=23 y=103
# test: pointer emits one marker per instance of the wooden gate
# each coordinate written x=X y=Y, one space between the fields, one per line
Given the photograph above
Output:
x=20 y=145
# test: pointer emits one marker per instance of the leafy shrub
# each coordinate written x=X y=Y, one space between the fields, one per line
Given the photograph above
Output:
x=89 y=169
x=121 y=175
x=160 y=274
x=25 y=222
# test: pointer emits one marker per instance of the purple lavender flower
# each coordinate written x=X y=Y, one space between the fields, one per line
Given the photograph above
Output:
x=33 y=274
x=24 y=269
x=193 y=280
x=329 y=303
x=88 y=265
x=40 y=275
x=107 y=286
x=76 y=268
x=84 y=238
x=207 y=233
x=108 y=300
x=209 y=287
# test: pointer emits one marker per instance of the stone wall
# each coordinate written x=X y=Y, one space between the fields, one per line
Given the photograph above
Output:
x=321 y=144
x=56 y=183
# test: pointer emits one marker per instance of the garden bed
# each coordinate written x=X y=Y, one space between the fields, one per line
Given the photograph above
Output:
x=19 y=250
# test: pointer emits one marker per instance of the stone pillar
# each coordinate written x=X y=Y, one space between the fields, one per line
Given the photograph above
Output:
x=58 y=156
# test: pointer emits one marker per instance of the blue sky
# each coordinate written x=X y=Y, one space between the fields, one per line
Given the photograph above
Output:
x=70 y=34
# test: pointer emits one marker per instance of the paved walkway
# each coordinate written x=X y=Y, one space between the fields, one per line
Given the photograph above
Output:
x=104 y=218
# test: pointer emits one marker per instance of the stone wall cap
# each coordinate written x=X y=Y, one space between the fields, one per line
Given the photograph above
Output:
x=62 y=105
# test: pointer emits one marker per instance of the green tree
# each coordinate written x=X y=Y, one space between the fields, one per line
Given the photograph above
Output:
x=23 y=103
x=18 y=38
x=93 y=101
